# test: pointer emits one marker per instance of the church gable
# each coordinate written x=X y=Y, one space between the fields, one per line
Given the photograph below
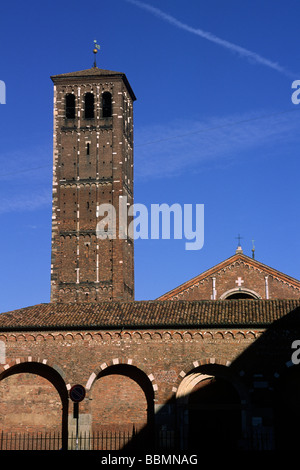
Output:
x=237 y=277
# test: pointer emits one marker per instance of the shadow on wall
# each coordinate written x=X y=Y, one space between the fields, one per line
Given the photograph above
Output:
x=253 y=404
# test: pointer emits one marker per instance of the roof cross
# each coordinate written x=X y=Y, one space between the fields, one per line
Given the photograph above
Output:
x=239 y=238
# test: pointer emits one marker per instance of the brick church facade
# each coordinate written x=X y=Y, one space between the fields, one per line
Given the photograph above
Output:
x=207 y=365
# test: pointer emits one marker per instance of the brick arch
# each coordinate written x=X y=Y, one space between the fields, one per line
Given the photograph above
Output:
x=118 y=361
x=24 y=360
x=240 y=290
x=188 y=383
x=42 y=368
x=221 y=368
x=196 y=364
x=139 y=408
x=229 y=395
x=220 y=363
x=38 y=364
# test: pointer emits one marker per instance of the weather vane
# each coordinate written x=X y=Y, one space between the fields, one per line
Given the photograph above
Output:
x=95 y=50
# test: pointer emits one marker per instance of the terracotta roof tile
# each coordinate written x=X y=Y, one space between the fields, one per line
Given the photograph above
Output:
x=148 y=314
x=87 y=73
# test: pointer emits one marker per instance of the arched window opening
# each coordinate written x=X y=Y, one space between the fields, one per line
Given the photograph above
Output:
x=240 y=295
x=106 y=105
x=70 y=106
x=89 y=106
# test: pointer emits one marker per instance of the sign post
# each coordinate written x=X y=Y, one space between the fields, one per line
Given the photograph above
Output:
x=77 y=394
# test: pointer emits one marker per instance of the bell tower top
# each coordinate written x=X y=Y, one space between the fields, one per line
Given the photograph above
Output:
x=95 y=74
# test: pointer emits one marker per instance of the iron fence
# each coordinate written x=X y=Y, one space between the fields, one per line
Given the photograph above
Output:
x=30 y=441
x=101 y=440
x=117 y=440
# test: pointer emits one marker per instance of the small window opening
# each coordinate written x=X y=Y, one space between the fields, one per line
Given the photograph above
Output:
x=88 y=148
x=89 y=106
x=241 y=295
x=106 y=105
x=70 y=106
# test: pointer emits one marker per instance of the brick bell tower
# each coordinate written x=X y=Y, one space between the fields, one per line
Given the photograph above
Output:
x=92 y=165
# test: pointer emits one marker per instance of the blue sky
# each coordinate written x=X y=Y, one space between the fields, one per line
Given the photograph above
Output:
x=214 y=125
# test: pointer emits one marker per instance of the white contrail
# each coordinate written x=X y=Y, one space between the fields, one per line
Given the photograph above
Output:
x=211 y=37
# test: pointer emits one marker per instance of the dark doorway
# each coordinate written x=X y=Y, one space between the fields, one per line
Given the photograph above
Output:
x=287 y=410
x=214 y=413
